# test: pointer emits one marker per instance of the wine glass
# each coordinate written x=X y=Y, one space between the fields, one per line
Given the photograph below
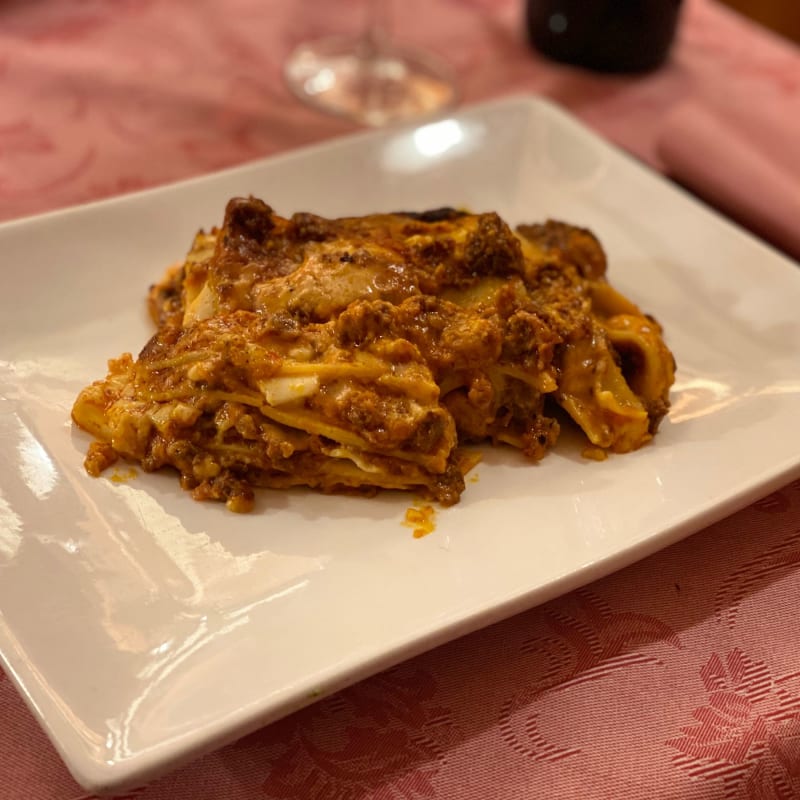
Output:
x=369 y=79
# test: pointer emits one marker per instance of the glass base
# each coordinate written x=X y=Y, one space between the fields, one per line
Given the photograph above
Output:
x=343 y=77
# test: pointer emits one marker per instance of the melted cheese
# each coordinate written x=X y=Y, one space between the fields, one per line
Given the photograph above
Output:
x=359 y=353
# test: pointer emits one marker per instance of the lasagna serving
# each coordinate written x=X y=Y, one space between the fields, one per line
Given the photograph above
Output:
x=365 y=353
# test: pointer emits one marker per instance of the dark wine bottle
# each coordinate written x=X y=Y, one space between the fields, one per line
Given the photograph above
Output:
x=604 y=35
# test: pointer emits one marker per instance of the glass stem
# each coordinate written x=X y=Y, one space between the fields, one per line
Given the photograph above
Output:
x=372 y=85
x=376 y=32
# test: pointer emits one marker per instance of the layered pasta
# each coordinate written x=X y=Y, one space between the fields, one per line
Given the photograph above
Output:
x=367 y=353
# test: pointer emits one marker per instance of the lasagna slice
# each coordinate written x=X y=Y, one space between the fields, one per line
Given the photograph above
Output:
x=360 y=353
x=240 y=401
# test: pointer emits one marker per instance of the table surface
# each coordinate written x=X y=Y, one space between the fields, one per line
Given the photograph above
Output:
x=678 y=677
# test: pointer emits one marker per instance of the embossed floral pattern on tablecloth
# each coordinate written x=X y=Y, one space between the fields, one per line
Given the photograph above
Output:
x=678 y=677
x=101 y=97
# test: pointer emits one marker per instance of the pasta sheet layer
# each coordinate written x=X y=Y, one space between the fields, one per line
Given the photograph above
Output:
x=366 y=353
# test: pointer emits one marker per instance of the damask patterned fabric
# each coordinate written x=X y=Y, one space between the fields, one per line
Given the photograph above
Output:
x=678 y=677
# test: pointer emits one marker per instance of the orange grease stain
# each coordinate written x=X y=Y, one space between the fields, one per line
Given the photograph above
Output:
x=120 y=476
x=422 y=519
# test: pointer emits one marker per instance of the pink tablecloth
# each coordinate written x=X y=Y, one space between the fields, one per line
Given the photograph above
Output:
x=678 y=677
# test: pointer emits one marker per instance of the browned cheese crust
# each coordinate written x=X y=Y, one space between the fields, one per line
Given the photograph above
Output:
x=361 y=353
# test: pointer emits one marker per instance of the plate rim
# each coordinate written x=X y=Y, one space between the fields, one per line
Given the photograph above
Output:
x=98 y=776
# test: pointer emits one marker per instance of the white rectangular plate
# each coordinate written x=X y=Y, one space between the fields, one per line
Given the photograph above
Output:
x=144 y=628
